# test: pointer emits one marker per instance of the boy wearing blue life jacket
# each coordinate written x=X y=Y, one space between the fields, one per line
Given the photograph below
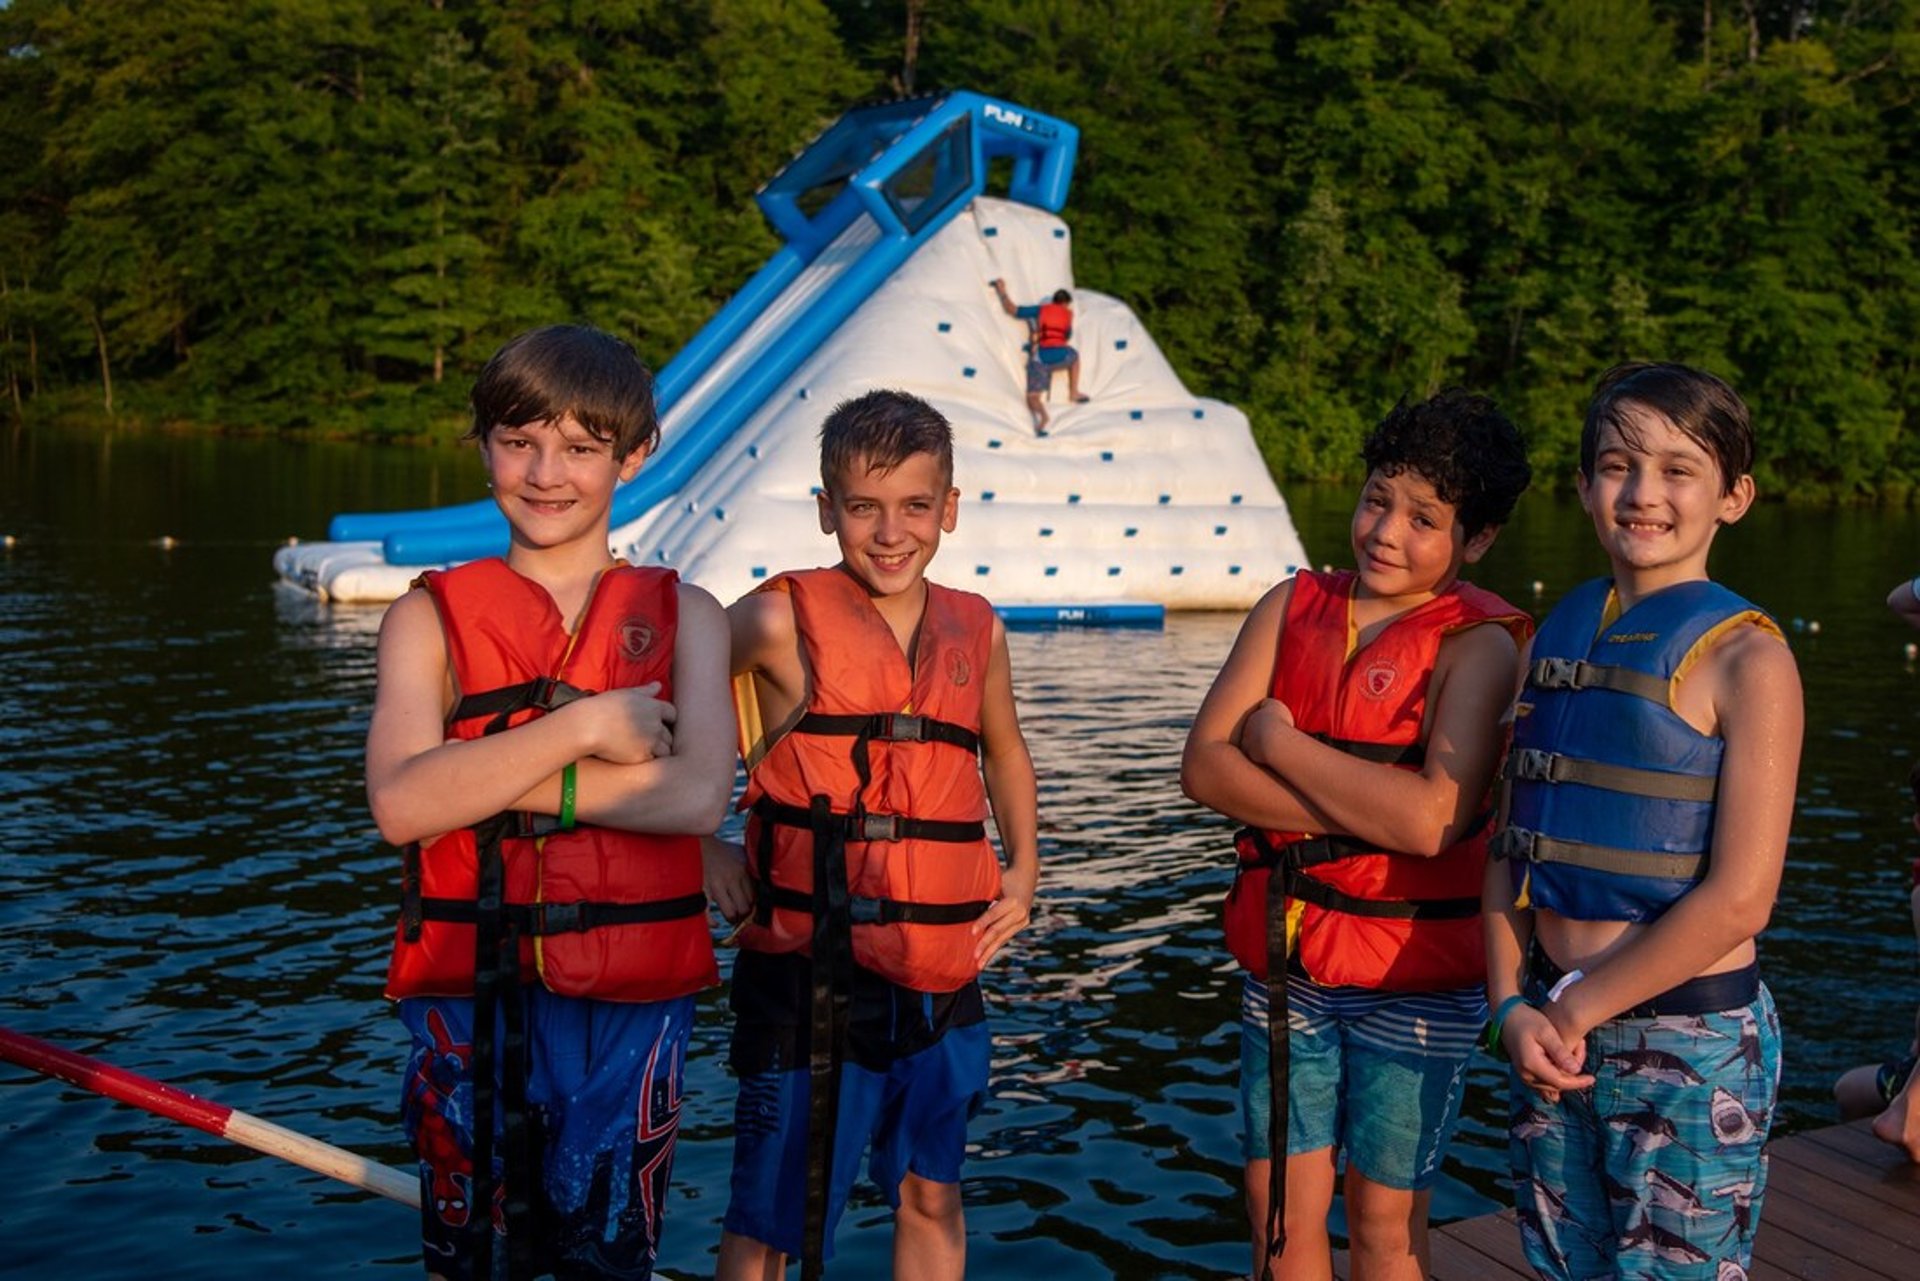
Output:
x=1650 y=790
x=1355 y=728
x=551 y=736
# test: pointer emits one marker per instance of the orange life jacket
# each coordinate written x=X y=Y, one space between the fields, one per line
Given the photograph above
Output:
x=871 y=808
x=604 y=913
x=1055 y=324
x=1359 y=916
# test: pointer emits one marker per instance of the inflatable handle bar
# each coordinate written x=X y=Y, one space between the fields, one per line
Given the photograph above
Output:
x=216 y=1119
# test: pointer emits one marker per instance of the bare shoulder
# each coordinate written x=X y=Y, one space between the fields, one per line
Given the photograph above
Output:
x=410 y=629
x=766 y=637
x=699 y=609
x=1754 y=662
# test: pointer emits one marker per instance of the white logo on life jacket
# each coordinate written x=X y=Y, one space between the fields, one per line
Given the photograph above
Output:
x=636 y=638
x=1379 y=679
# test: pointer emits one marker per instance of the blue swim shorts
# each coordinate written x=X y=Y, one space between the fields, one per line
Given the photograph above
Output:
x=603 y=1090
x=912 y=1116
x=1657 y=1169
x=1052 y=357
x=1379 y=1075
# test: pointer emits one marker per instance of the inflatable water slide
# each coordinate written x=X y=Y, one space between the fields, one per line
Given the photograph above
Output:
x=1146 y=498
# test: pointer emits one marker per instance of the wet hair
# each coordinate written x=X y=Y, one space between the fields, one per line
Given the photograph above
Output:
x=1463 y=446
x=1700 y=406
x=1062 y=296
x=878 y=432
x=549 y=373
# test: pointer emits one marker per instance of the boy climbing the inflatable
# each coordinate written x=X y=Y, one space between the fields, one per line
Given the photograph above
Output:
x=873 y=702
x=1355 y=728
x=1049 y=349
x=1650 y=789
x=550 y=739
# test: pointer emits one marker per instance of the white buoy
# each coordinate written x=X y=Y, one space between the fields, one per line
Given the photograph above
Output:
x=1913 y=651
x=1813 y=625
x=293 y=540
x=166 y=542
x=1326 y=569
x=8 y=540
x=1538 y=587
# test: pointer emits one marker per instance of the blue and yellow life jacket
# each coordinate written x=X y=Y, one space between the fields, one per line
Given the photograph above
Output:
x=1611 y=793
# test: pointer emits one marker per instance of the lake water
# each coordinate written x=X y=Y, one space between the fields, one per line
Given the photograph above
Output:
x=193 y=890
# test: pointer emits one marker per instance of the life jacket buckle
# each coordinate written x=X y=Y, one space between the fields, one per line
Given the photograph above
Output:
x=880 y=827
x=1513 y=843
x=864 y=911
x=902 y=727
x=1556 y=673
x=1536 y=765
x=560 y=918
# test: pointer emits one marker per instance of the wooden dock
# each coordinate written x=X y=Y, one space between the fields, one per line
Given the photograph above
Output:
x=1840 y=1206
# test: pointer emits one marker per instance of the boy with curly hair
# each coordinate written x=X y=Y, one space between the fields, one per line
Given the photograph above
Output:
x=1355 y=728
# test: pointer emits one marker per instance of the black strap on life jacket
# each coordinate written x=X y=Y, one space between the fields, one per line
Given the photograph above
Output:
x=1288 y=862
x=497 y=990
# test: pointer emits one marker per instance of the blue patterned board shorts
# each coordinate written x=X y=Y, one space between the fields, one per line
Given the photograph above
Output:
x=1657 y=1170
x=604 y=1081
x=1378 y=1074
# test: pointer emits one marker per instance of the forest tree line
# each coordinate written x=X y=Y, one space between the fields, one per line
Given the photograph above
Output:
x=322 y=215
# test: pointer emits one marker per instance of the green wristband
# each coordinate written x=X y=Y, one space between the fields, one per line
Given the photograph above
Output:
x=1499 y=1020
x=569 y=788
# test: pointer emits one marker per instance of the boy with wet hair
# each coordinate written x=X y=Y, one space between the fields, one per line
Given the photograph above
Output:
x=1355 y=728
x=550 y=739
x=880 y=728
x=1649 y=795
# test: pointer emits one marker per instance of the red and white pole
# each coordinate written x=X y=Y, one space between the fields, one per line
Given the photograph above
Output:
x=216 y=1119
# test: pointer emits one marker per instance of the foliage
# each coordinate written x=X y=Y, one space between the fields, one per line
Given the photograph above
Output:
x=322 y=214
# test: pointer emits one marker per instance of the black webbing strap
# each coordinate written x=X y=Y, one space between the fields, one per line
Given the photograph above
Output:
x=1378 y=753
x=496 y=991
x=1533 y=765
x=539 y=920
x=543 y=692
x=832 y=999
x=862 y=826
x=889 y=727
x=1279 y=1054
x=1535 y=847
x=881 y=911
x=1577 y=673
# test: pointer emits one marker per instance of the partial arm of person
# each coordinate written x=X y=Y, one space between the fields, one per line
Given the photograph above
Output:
x=1546 y=1062
x=1006 y=303
x=1424 y=811
x=1899 y=1124
x=1214 y=770
x=1755 y=691
x=685 y=789
x=420 y=784
x=1013 y=794
x=1904 y=600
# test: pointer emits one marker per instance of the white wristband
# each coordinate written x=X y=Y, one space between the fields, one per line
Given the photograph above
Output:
x=1567 y=980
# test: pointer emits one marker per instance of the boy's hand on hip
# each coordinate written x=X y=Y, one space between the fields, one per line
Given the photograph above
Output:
x=629 y=726
x=1008 y=915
